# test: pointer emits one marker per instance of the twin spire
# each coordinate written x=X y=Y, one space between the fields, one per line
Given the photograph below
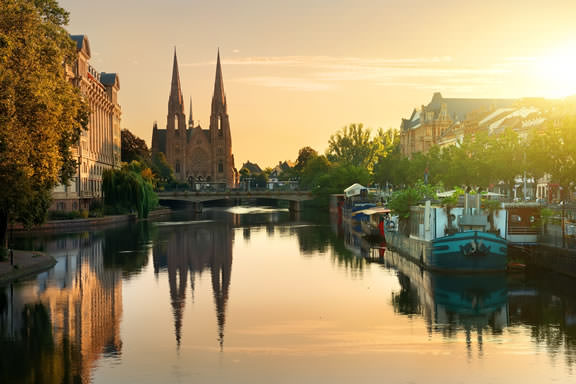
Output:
x=176 y=102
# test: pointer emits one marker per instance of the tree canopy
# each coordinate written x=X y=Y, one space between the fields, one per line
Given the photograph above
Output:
x=41 y=112
x=133 y=147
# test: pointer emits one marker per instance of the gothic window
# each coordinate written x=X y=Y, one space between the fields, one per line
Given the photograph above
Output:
x=219 y=125
x=220 y=167
x=177 y=167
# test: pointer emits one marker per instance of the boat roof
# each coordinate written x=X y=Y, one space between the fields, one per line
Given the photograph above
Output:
x=373 y=211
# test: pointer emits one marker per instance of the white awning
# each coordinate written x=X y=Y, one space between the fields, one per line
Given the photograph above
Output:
x=354 y=190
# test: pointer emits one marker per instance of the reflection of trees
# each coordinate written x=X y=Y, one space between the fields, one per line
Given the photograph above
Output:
x=406 y=301
x=127 y=249
x=314 y=239
x=33 y=357
x=547 y=304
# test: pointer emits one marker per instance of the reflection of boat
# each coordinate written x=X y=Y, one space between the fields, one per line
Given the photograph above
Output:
x=445 y=300
x=459 y=239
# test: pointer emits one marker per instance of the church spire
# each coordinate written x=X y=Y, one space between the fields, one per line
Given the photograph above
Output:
x=175 y=102
x=190 y=119
x=219 y=98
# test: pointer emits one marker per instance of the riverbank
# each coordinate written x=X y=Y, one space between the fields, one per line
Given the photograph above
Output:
x=556 y=259
x=26 y=263
x=76 y=224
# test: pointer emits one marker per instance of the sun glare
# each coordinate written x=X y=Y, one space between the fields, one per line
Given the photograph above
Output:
x=556 y=71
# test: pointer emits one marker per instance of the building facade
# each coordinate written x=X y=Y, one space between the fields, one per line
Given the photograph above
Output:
x=444 y=117
x=196 y=154
x=99 y=146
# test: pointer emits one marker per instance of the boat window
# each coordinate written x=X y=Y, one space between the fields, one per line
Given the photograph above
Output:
x=532 y=219
x=515 y=219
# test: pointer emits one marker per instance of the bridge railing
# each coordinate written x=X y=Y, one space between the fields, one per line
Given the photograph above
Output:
x=221 y=187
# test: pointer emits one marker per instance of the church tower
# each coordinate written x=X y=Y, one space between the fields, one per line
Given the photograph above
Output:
x=176 y=125
x=223 y=164
x=200 y=156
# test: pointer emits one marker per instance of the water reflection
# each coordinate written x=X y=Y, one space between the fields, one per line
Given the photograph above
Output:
x=186 y=251
x=477 y=305
x=302 y=289
x=65 y=319
x=472 y=304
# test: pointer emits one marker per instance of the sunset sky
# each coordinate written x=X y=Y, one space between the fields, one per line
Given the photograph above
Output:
x=297 y=71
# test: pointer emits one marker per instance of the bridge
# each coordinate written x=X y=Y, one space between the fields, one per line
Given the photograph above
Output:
x=198 y=197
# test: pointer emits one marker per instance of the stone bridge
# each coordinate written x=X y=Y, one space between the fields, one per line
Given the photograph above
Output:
x=198 y=197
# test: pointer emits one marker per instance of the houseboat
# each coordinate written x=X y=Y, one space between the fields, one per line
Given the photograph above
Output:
x=458 y=239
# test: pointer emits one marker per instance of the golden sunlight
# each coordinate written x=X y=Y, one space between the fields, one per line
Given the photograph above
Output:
x=557 y=71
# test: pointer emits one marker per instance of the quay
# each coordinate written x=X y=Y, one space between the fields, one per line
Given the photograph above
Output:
x=25 y=263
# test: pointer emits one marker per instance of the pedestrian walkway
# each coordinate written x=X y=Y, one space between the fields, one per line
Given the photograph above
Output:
x=26 y=263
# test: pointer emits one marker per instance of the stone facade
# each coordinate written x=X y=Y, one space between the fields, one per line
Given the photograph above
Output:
x=99 y=146
x=196 y=154
x=444 y=120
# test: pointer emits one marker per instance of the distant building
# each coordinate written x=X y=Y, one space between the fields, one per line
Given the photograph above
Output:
x=99 y=146
x=252 y=168
x=427 y=125
x=196 y=154
x=275 y=179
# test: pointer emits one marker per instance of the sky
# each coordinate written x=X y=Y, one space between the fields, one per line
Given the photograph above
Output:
x=297 y=71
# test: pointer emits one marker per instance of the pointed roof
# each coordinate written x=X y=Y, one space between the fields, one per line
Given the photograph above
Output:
x=190 y=119
x=175 y=89
x=219 y=98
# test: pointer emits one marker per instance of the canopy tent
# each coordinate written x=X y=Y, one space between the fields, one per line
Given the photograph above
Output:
x=354 y=190
x=446 y=194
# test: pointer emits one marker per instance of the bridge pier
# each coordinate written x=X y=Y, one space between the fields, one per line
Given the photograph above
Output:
x=294 y=206
x=197 y=207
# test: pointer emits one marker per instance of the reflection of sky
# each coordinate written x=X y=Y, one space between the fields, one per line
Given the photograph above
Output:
x=296 y=314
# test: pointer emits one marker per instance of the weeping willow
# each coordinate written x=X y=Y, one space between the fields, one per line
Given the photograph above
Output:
x=126 y=191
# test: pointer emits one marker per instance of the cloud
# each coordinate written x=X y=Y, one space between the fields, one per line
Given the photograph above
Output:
x=322 y=73
x=289 y=83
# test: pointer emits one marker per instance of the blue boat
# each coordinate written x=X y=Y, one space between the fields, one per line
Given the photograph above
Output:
x=469 y=251
x=462 y=239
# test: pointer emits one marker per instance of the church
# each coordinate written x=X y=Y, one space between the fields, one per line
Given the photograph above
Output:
x=196 y=154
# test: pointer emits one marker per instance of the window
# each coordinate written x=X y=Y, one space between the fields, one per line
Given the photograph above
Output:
x=220 y=167
x=177 y=168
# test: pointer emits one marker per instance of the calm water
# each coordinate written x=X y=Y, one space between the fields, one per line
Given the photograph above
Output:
x=252 y=295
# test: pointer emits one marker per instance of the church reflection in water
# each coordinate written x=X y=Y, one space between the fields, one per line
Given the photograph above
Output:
x=187 y=251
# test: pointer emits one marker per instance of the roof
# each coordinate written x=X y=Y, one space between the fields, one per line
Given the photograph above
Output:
x=373 y=211
x=79 y=40
x=82 y=44
x=159 y=140
x=354 y=189
x=252 y=167
x=109 y=79
x=456 y=108
x=459 y=108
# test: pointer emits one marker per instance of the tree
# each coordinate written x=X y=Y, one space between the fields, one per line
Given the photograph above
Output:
x=41 y=112
x=315 y=168
x=353 y=145
x=161 y=168
x=127 y=189
x=304 y=155
x=133 y=147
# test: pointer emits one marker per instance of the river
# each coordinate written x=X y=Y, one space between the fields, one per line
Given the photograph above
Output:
x=256 y=295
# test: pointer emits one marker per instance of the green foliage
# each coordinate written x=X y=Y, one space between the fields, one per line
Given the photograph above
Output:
x=314 y=169
x=305 y=154
x=126 y=190
x=133 y=148
x=41 y=112
x=401 y=201
x=161 y=168
x=353 y=145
